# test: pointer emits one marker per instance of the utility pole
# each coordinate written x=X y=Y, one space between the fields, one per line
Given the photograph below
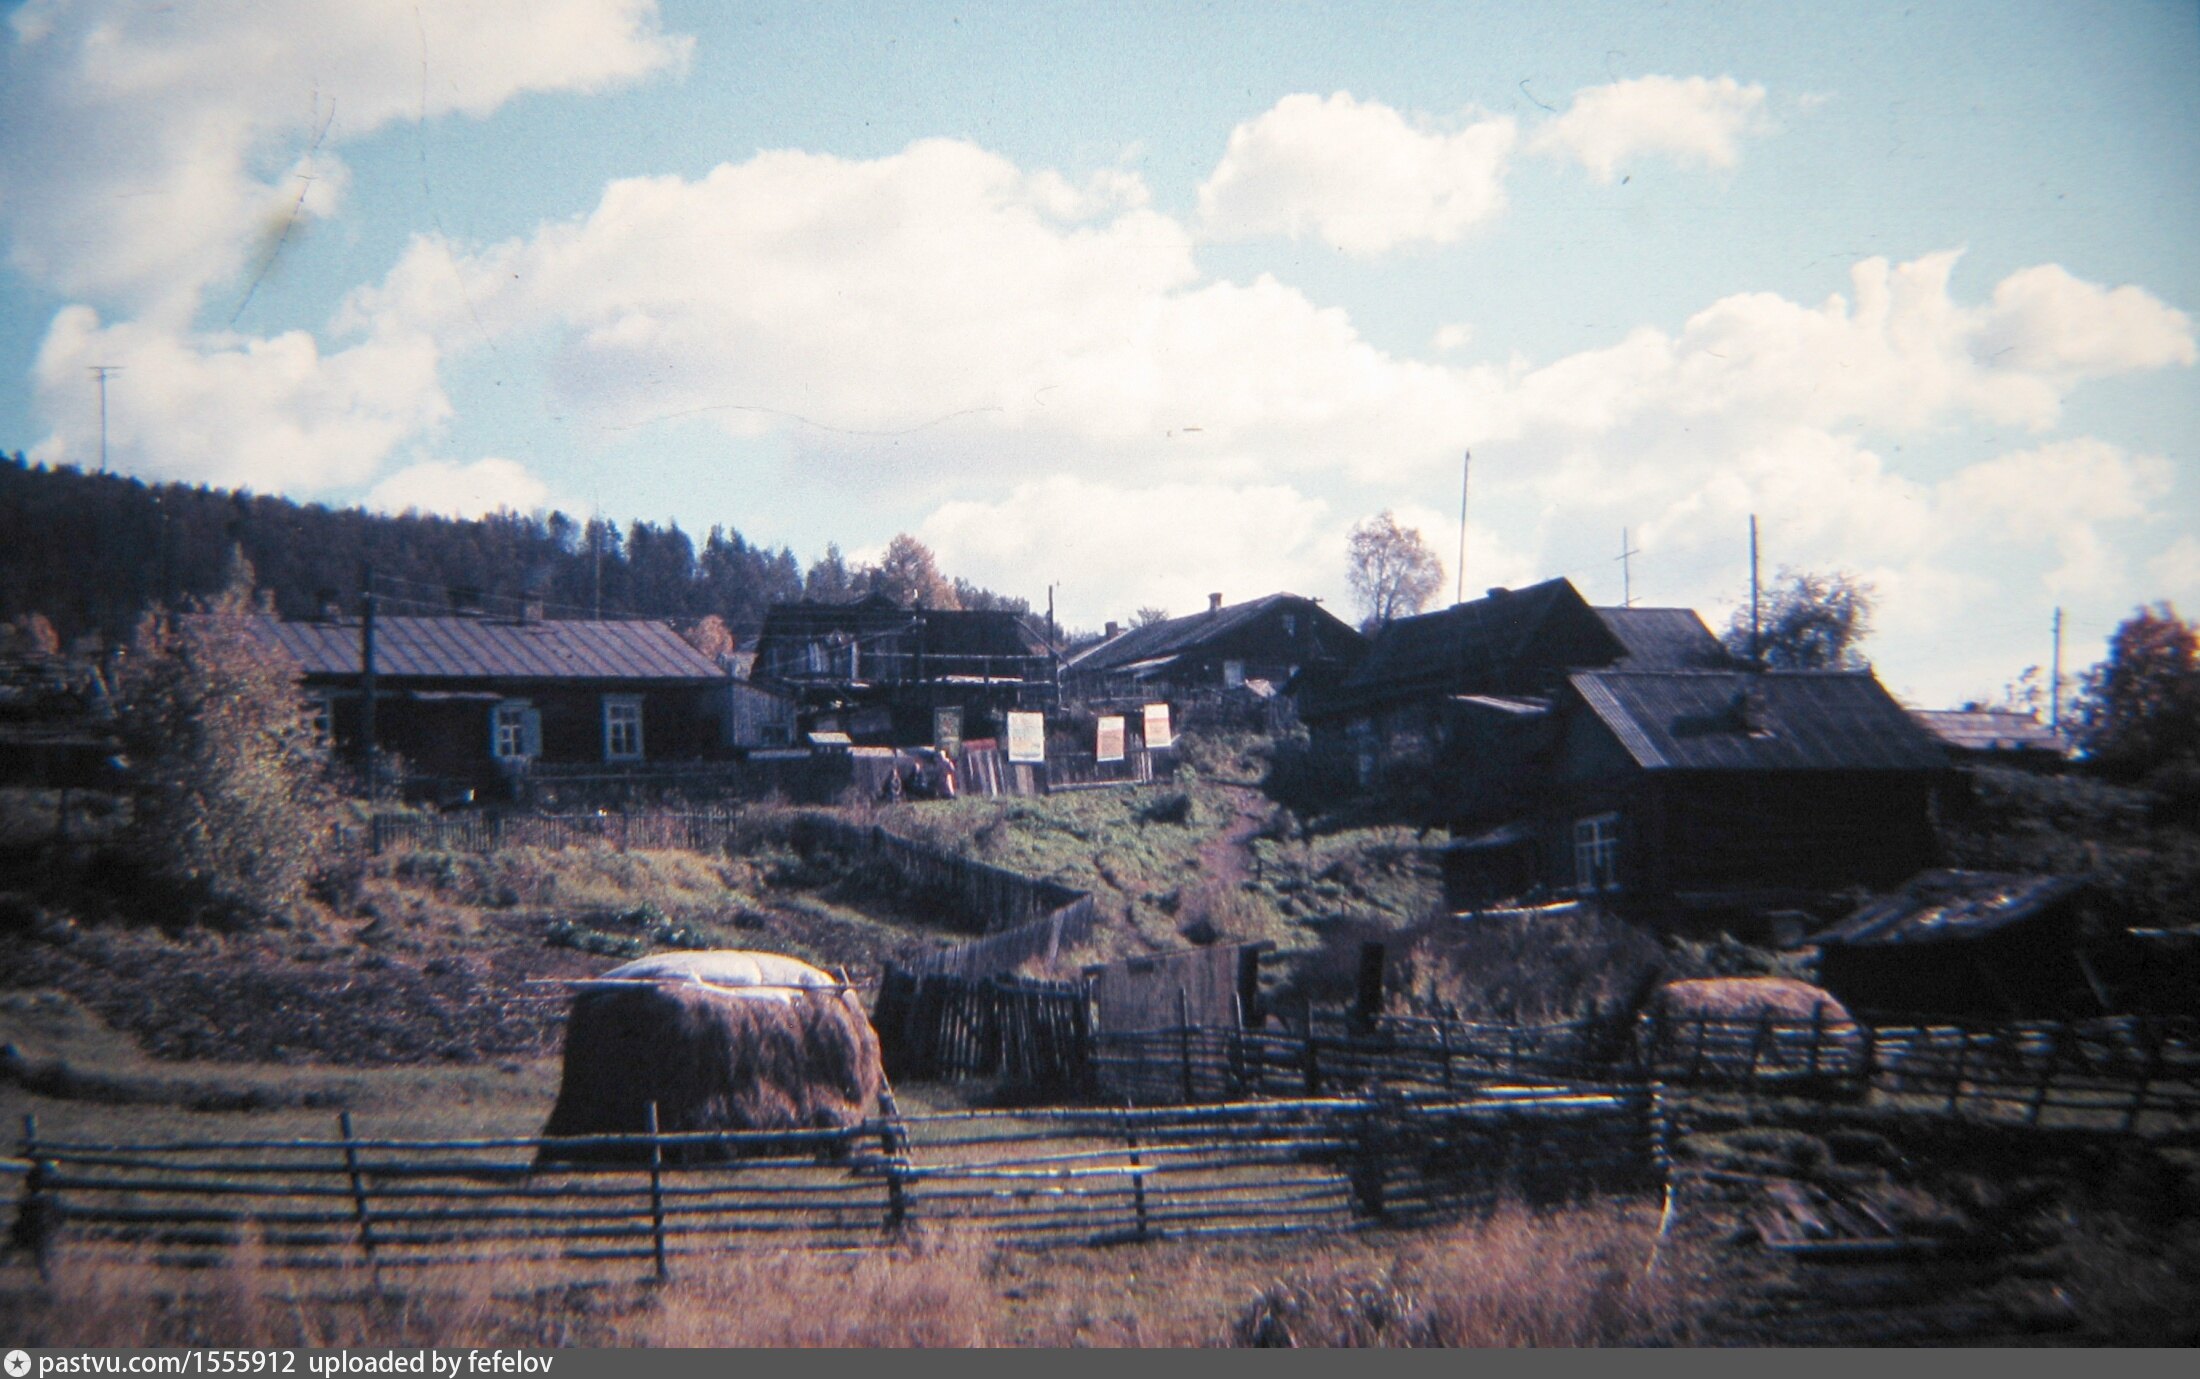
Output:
x=1754 y=631
x=2054 y=683
x=1626 y=576
x=100 y=372
x=1466 y=471
x=366 y=681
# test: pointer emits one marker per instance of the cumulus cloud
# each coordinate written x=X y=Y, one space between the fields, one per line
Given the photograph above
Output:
x=1691 y=120
x=1205 y=538
x=270 y=414
x=1902 y=354
x=939 y=297
x=158 y=153
x=152 y=148
x=451 y=489
x=1355 y=174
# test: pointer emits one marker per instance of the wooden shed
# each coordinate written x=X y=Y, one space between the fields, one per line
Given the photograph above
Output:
x=1991 y=945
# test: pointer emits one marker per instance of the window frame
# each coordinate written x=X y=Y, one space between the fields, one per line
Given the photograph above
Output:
x=615 y=709
x=518 y=716
x=1596 y=852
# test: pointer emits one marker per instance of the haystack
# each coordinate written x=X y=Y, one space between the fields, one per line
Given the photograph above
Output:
x=720 y=1041
x=1730 y=1016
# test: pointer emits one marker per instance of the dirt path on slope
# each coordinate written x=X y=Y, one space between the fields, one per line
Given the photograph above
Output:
x=1226 y=859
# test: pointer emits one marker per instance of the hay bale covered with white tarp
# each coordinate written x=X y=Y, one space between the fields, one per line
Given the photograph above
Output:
x=722 y=1040
x=1712 y=1028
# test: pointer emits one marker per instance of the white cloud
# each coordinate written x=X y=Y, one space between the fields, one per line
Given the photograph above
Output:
x=158 y=153
x=2175 y=573
x=277 y=415
x=1355 y=174
x=460 y=490
x=154 y=150
x=938 y=303
x=1692 y=120
x=1903 y=355
x=1191 y=540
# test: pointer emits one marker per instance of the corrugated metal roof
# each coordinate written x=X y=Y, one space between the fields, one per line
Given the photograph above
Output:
x=1664 y=639
x=1990 y=730
x=1769 y=721
x=494 y=649
x=1943 y=906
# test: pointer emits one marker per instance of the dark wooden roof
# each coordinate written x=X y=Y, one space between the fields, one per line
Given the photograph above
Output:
x=1757 y=721
x=1664 y=639
x=1492 y=644
x=456 y=648
x=1328 y=636
x=945 y=631
x=1944 y=906
x=1991 y=730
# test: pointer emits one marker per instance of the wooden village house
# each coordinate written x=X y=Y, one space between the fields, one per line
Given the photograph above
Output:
x=882 y=674
x=1243 y=653
x=1677 y=793
x=1421 y=695
x=483 y=701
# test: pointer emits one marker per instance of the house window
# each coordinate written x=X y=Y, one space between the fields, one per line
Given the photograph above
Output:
x=622 y=727
x=1596 y=853
x=1233 y=674
x=515 y=731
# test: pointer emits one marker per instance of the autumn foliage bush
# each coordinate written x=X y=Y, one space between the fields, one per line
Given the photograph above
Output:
x=235 y=817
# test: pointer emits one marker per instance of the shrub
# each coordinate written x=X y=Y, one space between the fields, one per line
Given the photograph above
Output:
x=234 y=809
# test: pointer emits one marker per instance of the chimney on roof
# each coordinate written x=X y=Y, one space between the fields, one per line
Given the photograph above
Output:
x=1214 y=604
x=330 y=609
x=531 y=610
x=466 y=600
x=1112 y=629
x=1498 y=591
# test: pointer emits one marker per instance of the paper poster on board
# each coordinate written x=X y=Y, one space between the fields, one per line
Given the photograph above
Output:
x=1157 y=727
x=1027 y=737
x=1108 y=745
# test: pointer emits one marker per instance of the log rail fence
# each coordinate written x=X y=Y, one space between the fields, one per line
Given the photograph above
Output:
x=1028 y=1178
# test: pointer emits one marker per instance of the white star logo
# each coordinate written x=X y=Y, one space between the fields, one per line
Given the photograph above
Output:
x=19 y=1364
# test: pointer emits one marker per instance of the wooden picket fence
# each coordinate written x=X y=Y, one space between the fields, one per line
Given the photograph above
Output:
x=1035 y=1036
x=1038 y=1177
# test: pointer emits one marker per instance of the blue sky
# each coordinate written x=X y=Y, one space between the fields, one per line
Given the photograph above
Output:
x=1153 y=300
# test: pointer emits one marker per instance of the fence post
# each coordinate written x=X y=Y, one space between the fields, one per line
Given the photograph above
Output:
x=38 y=1219
x=1311 y=1060
x=1756 y=1054
x=657 y=1191
x=1963 y=1058
x=358 y=1187
x=2047 y=1075
x=1367 y=1168
x=2152 y=1038
x=1184 y=1042
x=1695 y=1064
x=1871 y=1054
x=1443 y=1045
x=1817 y=1032
x=1138 y=1174
x=894 y=1144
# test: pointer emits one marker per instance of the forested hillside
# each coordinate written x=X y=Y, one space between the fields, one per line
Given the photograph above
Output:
x=90 y=551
